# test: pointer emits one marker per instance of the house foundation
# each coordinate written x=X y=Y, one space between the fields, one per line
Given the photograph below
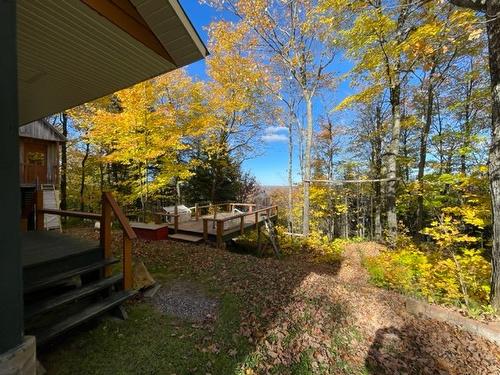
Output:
x=20 y=360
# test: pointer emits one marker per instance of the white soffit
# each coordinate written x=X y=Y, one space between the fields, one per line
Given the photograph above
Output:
x=167 y=20
x=68 y=54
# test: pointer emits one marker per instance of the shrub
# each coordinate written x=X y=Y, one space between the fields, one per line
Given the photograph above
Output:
x=398 y=270
x=318 y=246
x=457 y=280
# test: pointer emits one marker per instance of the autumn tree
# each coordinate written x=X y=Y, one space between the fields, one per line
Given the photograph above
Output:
x=491 y=9
x=238 y=102
x=443 y=43
x=379 y=41
x=149 y=122
x=291 y=35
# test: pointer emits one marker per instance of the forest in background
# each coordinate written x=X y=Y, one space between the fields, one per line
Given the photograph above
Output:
x=404 y=159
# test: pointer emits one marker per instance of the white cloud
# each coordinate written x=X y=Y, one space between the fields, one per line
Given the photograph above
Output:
x=275 y=134
x=274 y=137
x=275 y=129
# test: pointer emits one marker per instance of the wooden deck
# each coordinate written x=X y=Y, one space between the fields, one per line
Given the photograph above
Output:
x=40 y=247
x=230 y=226
x=225 y=225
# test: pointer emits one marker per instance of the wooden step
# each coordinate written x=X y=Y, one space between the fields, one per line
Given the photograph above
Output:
x=185 y=237
x=73 y=295
x=55 y=279
x=88 y=313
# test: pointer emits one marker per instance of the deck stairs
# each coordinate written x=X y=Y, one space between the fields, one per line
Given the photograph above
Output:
x=64 y=284
x=185 y=237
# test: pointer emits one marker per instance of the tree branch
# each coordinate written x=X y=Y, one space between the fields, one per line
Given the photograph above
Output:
x=479 y=5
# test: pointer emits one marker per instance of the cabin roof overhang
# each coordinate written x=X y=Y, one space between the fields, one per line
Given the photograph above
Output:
x=71 y=52
x=43 y=130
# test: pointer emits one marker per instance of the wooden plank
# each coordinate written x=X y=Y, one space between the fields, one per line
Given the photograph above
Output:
x=120 y=216
x=54 y=279
x=65 y=298
x=88 y=313
x=45 y=246
x=220 y=231
x=79 y=214
x=186 y=237
x=151 y=226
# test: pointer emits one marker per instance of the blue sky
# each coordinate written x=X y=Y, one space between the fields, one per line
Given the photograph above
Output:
x=270 y=166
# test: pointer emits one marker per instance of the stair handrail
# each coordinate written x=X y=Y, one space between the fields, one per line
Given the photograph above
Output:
x=109 y=205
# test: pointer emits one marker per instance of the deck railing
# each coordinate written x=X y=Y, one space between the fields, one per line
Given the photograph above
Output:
x=215 y=208
x=109 y=206
x=271 y=211
x=197 y=211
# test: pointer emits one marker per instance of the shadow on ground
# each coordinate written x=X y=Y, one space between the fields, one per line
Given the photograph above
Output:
x=425 y=346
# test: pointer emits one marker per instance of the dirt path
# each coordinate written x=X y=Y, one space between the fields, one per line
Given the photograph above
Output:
x=400 y=342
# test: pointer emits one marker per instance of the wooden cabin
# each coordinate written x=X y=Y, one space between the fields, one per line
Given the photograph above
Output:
x=39 y=168
x=39 y=153
x=57 y=55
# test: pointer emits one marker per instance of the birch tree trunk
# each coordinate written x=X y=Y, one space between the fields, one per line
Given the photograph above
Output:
x=290 y=177
x=392 y=155
x=307 y=162
x=377 y=147
x=424 y=136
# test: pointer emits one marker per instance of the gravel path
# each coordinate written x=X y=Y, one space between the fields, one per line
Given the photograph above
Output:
x=186 y=301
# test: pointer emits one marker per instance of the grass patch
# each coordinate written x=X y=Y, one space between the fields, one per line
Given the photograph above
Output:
x=152 y=343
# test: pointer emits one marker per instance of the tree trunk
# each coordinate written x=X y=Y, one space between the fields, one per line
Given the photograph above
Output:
x=392 y=154
x=467 y=129
x=424 y=136
x=290 y=177
x=492 y=8
x=378 y=172
x=82 y=181
x=493 y=28
x=307 y=163
x=64 y=164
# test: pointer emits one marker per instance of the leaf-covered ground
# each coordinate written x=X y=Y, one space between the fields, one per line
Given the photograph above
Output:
x=272 y=316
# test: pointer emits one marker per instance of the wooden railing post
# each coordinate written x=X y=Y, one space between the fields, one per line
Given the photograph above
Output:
x=176 y=218
x=157 y=218
x=39 y=216
x=196 y=212
x=220 y=232
x=205 y=230
x=257 y=220
x=106 y=232
x=127 y=263
x=242 y=224
x=268 y=213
